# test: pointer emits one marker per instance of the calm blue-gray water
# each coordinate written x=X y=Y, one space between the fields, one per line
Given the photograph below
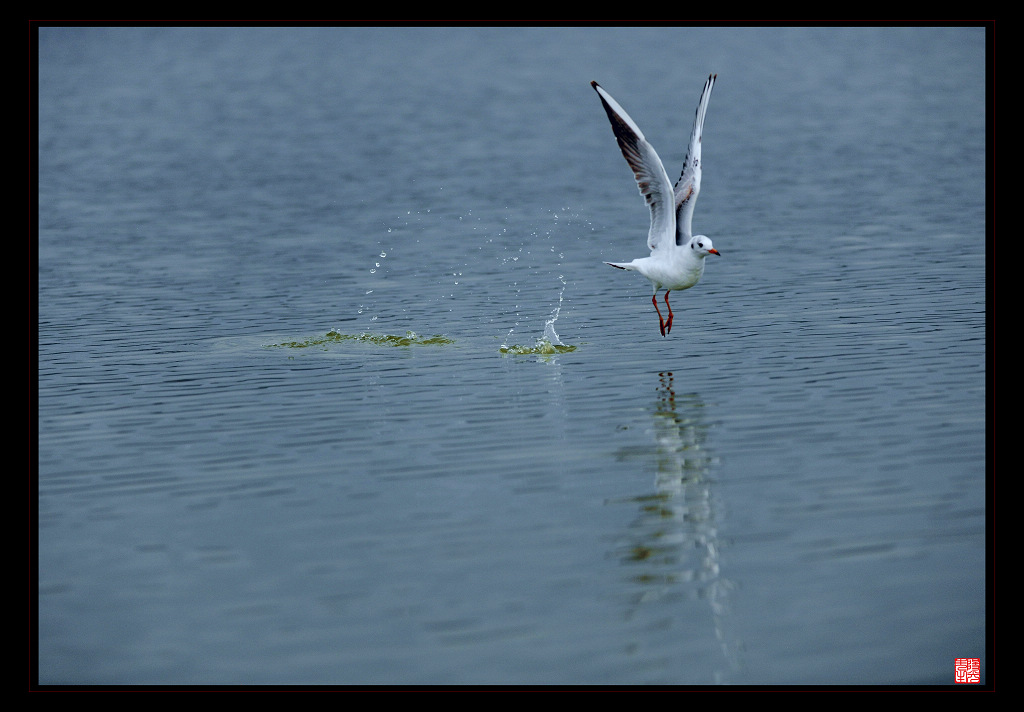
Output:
x=256 y=464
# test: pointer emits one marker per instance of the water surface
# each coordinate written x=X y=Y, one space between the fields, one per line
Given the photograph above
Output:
x=787 y=489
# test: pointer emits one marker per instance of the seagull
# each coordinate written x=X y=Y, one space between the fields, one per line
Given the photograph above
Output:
x=677 y=255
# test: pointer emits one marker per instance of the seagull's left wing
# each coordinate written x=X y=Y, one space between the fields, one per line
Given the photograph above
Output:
x=651 y=178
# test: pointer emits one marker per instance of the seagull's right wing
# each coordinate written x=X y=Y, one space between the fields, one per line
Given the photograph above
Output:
x=688 y=185
x=651 y=178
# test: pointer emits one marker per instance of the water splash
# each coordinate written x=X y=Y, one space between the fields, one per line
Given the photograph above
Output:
x=549 y=328
x=377 y=265
x=549 y=343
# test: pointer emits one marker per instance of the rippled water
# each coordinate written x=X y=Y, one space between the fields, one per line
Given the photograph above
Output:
x=297 y=423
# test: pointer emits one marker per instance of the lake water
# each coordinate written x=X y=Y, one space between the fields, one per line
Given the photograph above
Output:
x=256 y=464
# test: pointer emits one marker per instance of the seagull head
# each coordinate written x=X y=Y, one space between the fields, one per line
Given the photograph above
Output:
x=702 y=247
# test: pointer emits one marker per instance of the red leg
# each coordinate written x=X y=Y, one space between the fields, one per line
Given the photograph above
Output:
x=668 y=324
x=661 y=322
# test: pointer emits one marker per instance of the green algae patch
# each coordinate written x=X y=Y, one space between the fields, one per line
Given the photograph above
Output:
x=334 y=337
x=541 y=348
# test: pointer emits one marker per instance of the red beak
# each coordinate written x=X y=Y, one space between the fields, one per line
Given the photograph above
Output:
x=713 y=251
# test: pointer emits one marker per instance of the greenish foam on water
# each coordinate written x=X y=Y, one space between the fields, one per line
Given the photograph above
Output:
x=334 y=337
x=543 y=347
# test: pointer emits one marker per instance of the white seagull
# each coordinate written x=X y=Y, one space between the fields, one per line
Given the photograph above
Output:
x=677 y=255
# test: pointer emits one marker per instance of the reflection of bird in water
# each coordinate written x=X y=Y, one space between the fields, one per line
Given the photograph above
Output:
x=678 y=547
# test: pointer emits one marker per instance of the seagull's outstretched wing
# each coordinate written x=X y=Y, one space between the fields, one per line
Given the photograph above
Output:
x=688 y=185
x=650 y=174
